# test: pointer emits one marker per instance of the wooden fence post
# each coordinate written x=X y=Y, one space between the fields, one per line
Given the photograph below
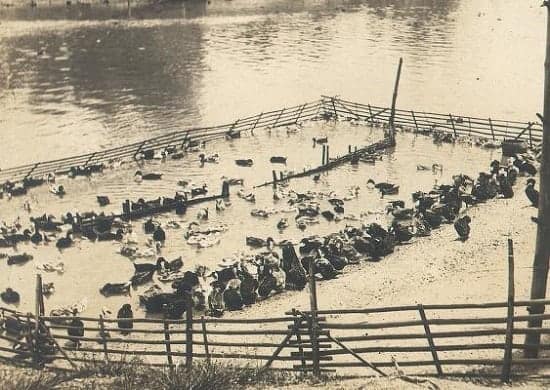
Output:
x=300 y=113
x=492 y=130
x=370 y=112
x=507 y=363
x=188 y=331
x=414 y=119
x=453 y=125
x=256 y=123
x=167 y=343
x=205 y=339
x=334 y=108
x=103 y=336
x=313 y=336
x=297 y=323
x=431 y=343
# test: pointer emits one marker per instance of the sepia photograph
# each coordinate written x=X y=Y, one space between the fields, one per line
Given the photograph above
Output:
x=274 y=194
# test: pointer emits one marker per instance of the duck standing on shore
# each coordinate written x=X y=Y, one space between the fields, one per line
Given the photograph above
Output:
x=125 y=316
x=532 y=193
x=462 y=227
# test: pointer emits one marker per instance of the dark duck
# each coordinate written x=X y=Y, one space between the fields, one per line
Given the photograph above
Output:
x=125 y=316
x=532 y=193
x=462 y=227
x=65 y=242
x=10 y=296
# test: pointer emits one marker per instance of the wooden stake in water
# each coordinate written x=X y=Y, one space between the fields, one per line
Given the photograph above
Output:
x=391 y=133
x=313 y=308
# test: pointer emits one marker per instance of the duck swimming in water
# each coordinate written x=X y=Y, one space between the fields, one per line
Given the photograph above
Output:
x=19 y=259
x=148 y=176
x=196 y=191
x=10 y=296
x=532 y=193
x=58 y=190
x=278 y=160
x=209 y=159
x=110 y=289
x=159 y=234
x=103 y=200
x=65 y=242
x=244 y=162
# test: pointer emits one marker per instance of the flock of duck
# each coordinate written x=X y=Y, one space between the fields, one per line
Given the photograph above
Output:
x=274 y=267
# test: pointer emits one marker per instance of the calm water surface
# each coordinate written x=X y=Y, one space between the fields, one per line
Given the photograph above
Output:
x=80 y=80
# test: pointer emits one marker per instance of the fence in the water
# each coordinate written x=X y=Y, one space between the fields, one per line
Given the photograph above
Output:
x=326 y=107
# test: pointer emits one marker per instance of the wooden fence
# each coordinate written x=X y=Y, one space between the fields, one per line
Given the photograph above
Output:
x=423 y=339
x=326 y=107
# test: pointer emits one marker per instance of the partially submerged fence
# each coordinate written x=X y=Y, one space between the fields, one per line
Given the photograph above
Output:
x=326 y=108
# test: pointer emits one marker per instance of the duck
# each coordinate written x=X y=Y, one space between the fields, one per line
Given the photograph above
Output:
x=10 y=296
x=103 y=200
x=220 y=206
x=437 y=167
x=48 y=288
x=159 y=234
x=58 y=190
x=171 y=266
x=250 y=197
x=324 y=267
x=400 y=213
x=115 y=289
x=232 y=295
x=421 y=167
x=75 y=329
x=36 y=237
x=244 y=162
x=148 y=267
x=278 y=160
x=317 y=177
x=255 y=242
x=322 y=140
x=21 y=237
x=462 y=227
x=140 y=278
x=19 y=259
x=196 y=191
x=532 y=193
x=150 y=226
x=148 y=176
x=203 y=214
x=65 y=242
x=328 y=215
x=124 y=316
x=282 y=224
x=233 y=181
x=109 y=236
x=210 y=159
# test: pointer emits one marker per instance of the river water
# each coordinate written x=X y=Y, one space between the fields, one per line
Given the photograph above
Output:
x=82 y=79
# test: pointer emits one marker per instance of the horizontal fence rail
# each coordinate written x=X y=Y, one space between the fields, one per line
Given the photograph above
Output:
x=326 y=107
x=417 y=337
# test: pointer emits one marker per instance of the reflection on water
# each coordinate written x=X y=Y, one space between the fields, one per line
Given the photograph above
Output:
x=93 y=79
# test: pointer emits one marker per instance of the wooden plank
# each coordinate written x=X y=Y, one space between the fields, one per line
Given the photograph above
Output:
x=430 y=340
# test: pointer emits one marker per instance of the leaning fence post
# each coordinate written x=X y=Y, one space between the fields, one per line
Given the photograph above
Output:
x=507 y=363
x=205 y=339
x=278 y=117
x=453 y=124
x=188 y=331
x=313 y=321
x=530 y=136
x=492 y=130
x=103 y=337
x=300 y=113
x=334 y=108
x=370 y=113
x=431 y=343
